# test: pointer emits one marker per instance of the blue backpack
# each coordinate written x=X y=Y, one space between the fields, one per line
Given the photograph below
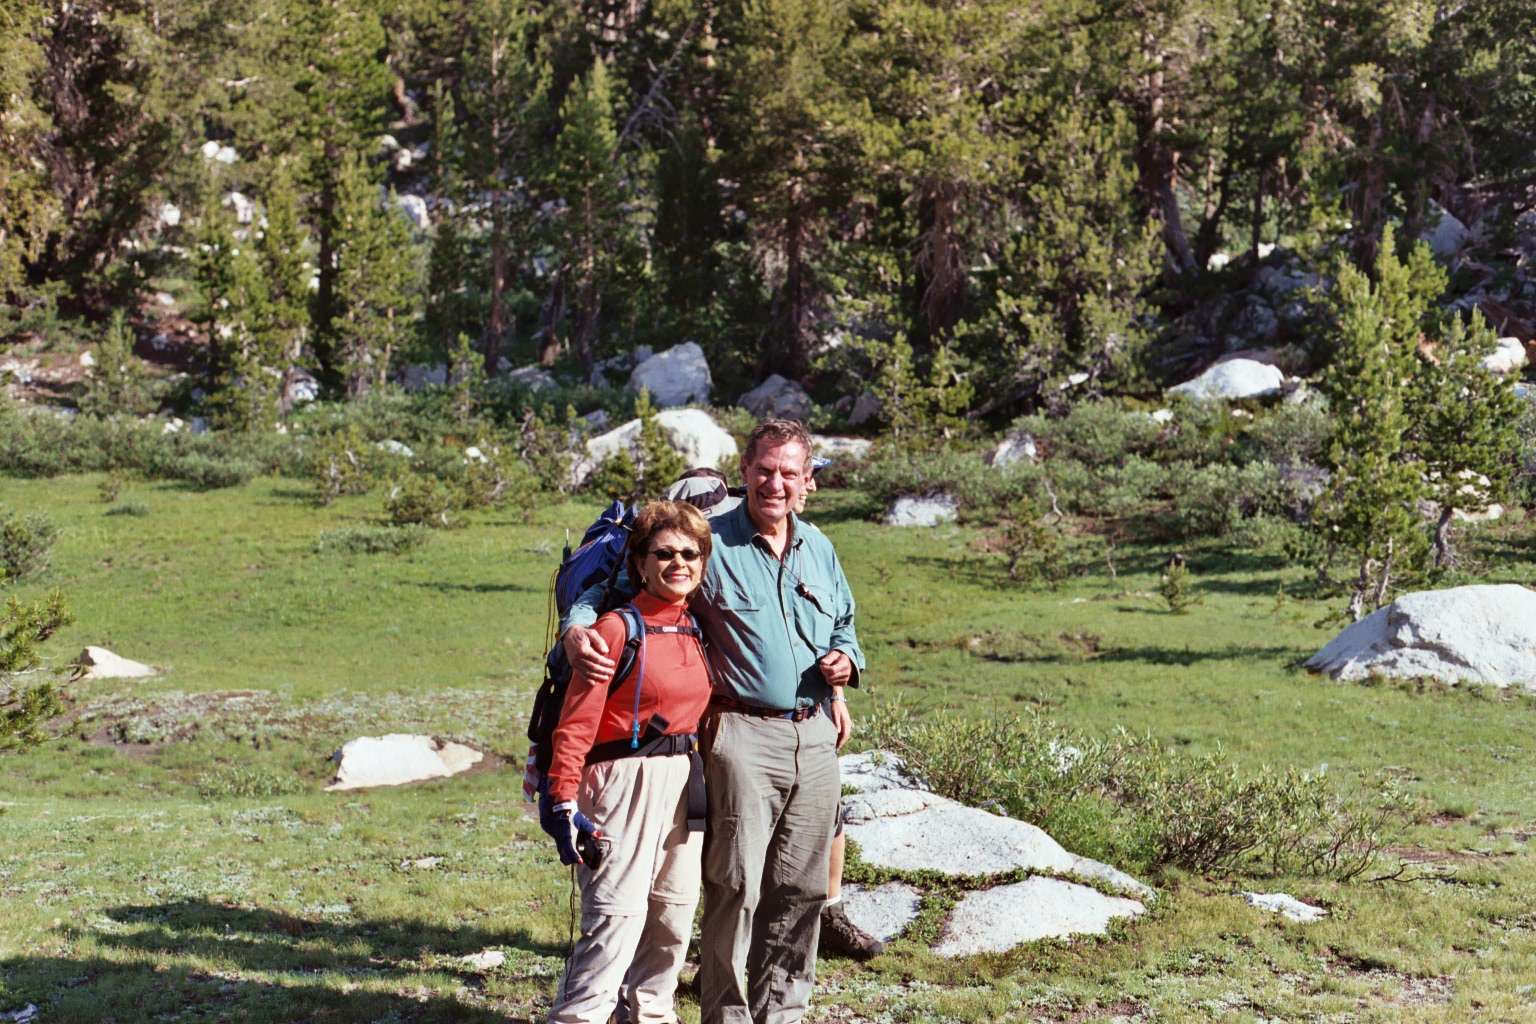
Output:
x=597 y=559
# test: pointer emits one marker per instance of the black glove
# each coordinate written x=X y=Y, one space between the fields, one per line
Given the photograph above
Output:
x=573 y=832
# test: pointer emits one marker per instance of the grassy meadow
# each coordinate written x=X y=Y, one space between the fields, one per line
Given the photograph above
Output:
x=170 y=856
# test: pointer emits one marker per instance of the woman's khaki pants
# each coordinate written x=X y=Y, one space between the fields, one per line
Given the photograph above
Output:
x=637 y=907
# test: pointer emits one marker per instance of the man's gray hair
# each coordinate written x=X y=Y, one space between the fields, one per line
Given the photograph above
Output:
x=773 y=433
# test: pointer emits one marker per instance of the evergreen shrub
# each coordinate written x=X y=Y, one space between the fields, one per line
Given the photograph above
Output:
x=26 y=545
x=370 y=540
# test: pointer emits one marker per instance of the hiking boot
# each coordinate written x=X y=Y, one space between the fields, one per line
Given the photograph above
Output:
x=841 y=937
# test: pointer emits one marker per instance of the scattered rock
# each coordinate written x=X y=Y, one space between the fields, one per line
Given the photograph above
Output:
x=915 y=830
x=87 y=360
x=421 y=863
x=1448 y=235
x=996 y=920
x=398 y=758
x=875 y=770
x=419 y=376
x=1016 y=447
x=1507 y=358
x=532 y=377
x=1161 y=416
x=1235 y=378
x=924 y=511
x=394 y=447
x=854 y=449
x=415 y=210
x=214 y=152
x=778 y=397
x=883 y=911
x=474 y=454
x=168 y=216
x=693 y=433
x=865 y=408
x=26 y=1015
x=678 y=376
x=301 y=387
x=174 y=425
x=485 y=960
x=100 y=663
x=598 y=419
x=1288 y=907
x=1478 y=634
x=1257 y=322
x=245 y=210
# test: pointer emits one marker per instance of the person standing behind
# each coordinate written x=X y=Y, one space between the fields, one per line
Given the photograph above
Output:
x=620 y=771
x=780 y=618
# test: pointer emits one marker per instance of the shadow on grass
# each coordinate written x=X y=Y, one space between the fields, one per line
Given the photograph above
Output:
x=158 y=943
x=93 y=989
x=444 y=587
x=1147 y=655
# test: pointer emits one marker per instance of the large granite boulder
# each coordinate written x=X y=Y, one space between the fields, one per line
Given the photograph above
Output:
x=678 y=376
x=1479 y=634
x=1446 y=235
x=996 y=920
x=1234 y=378
x=693 y=433
x=852 y=449
x=397 y=759
x=930 y=510
x=1508 y=357
x=1016 y=446
x=100 y=663
x=900 y=825
x=779 y=398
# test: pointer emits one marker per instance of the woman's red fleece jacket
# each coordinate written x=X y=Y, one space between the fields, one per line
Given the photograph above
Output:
x=676 y=686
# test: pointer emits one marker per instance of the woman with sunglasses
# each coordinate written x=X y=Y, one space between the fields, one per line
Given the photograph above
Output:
x=619 y=784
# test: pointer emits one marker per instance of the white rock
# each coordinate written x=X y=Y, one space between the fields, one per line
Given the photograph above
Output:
x=485 y=960
x=779 y=398
x=227 y=155
x=87 y=360
x=1015 y=447
x=925 y=511
x=1161 y=416
x=174 y=425
x=1448 y=235
x=1478 y=634
x=875 y=770
x=914 y=830
x=210 y=150
x=1507 y=358
x=1286 y=906
x=533 y=377
x=100 y=663
x=302 y=387
x=165 y=299
x=678 y=376
x=397 y=759
x=169 y=215
x=865 y=408
x=1217 y=260
x=693 y=432
x=26 y=1015
x=884 y=911
x=1235 y=378
x=415 y=210
x=853 y=449
x=394 y=447
x=416 y=376
x=245 y=210
x=388 y=143
x=996 y=920
x=474 y=454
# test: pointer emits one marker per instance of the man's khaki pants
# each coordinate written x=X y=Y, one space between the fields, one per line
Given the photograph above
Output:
x=773 y=794
x=637 y=907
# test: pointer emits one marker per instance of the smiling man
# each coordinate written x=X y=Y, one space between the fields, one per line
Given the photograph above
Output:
x=778 y=614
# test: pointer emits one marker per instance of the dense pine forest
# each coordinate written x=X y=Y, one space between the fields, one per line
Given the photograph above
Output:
x=1012 y=201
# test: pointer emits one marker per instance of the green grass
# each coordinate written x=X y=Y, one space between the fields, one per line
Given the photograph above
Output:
x=171 y=855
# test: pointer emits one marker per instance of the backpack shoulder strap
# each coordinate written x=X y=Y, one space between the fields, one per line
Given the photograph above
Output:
x=634 y=631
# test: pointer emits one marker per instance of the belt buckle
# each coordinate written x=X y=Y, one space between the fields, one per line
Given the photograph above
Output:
x=800 y=714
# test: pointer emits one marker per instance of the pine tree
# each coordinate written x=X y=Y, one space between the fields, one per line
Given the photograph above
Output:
x=117 y=384
x=1371 y=506
x=1463 y=428
x=283 y=250
x=504 y=90
x=377 y=279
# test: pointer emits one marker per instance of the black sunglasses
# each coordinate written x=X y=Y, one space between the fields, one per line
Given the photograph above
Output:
x=667 y=554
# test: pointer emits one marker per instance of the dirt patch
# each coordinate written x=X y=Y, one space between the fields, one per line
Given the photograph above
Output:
x=1122 y=1010
x=1419 y=855
x=1389 y=987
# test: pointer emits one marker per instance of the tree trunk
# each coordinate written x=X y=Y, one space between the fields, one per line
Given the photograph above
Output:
x=325 y=293
x=1157 y=164
x=1445 y=552
x=940 y=263
x=495 y=322
x=1383 y=581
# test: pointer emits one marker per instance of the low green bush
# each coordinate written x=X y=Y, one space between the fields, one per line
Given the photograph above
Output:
x=136 y=509
x=231 y=781
x=26 y=545
x=210 y=473
x=370 y=540
x=420 y=500
x=1138 y=804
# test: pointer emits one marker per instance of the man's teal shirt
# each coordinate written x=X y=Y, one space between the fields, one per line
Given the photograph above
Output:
x=767 y=621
